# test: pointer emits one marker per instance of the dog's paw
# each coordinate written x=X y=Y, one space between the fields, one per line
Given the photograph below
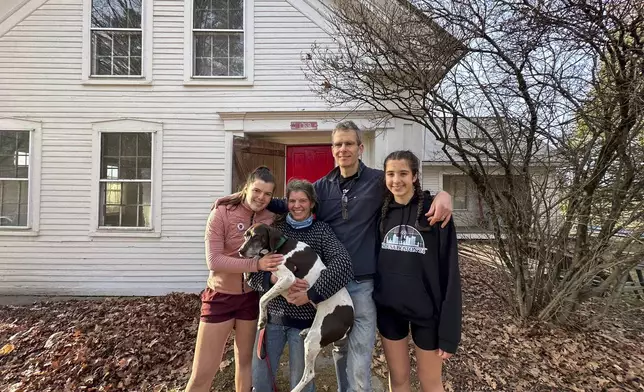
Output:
x=261 y=324
x=304 y=332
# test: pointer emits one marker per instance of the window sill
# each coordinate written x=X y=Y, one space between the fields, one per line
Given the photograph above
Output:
x=18 y=232
x=197 y=82
x=117 y=82
x=119 y=233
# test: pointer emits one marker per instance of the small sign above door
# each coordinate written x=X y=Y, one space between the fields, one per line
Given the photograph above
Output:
x=304 y=125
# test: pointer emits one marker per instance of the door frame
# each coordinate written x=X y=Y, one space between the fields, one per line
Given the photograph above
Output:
x=249 y=124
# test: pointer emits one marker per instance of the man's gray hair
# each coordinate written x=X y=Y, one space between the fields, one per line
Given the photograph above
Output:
x=348 y=125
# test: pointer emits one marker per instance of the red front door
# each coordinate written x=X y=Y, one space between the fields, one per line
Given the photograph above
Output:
x=308 y=162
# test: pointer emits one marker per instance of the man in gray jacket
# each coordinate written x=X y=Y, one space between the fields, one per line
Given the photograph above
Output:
x=350 y=199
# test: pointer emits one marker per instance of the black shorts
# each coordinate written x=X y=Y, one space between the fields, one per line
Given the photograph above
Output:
x=393 y=326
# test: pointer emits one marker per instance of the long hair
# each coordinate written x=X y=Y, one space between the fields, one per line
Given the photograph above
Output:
x=297 y=185
x=414 y=166
x=262 y=173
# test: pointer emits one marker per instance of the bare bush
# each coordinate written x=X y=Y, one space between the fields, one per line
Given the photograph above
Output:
x=540 y=103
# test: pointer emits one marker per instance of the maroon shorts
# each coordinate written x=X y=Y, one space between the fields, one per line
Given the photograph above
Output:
x=219 y=307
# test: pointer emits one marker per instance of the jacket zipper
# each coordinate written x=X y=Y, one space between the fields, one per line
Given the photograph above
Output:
x=252 y=219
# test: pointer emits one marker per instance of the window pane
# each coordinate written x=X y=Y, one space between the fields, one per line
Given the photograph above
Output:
x=203 y=45
x=121 y=45
x=145 y=194
x=116 y=53
x=24 y=192
x=134 y=14
x=102 y=66
x=7 y=143
x=110 y=143
x=220 y=45
x=9 y=214
x=220 y=67
x=14 y=203
x=236 y=19
x=457 y=187
x=220 y=4
x=203 y=67
x=135 y=45
x=227 y=54
x=111 y=216
x=111 y=192
x=7 y=166
x=145 y=144
x=237 y=45
x=120 y=66
x=130 y=193
x=144 y=168
x=23 y=142
x=23 y=214
x=145 y=216
x=128 y=144
x=135 y=66
x=102 y=42
x=110 y=168
x=127 y=169
x=236 y=67
x=14 y=154
x=116 y=13
x=130 y=216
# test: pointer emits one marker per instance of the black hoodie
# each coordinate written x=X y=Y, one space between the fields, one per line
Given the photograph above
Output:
x=418 y=274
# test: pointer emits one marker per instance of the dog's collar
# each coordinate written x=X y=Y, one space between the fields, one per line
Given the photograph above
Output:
x=281 y=243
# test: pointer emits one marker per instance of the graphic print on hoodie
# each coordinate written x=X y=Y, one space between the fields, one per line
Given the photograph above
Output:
x=404 y=238
x=418 y=275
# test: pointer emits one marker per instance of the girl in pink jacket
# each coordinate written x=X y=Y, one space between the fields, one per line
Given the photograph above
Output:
x=228 y=302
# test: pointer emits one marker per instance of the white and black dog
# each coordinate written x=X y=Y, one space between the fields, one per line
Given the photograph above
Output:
x=334 y=316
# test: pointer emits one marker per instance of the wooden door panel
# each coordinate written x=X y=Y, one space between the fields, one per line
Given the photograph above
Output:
x=250 y=153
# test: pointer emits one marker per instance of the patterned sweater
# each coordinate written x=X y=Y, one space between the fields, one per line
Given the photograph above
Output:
x=338 y=273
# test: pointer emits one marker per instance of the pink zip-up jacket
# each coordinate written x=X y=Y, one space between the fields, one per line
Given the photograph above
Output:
x=224 y=235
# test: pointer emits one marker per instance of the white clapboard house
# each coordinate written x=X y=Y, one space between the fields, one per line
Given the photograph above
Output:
x=122 y=120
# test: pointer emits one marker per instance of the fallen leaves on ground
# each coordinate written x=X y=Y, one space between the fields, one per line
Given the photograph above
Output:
x=147 y=344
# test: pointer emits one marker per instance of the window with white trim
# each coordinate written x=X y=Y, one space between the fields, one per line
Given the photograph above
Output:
x=15 y=148
x=125 y=190
x=218 y=37
x=458 y=187
x=116 y=38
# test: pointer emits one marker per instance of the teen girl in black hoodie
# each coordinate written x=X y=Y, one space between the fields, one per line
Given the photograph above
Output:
x=417 y=281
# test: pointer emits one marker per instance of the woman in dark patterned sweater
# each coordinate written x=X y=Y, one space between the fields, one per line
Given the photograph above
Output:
x=288 y=317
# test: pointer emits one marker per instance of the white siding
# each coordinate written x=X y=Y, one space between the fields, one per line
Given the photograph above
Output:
x=40 y=80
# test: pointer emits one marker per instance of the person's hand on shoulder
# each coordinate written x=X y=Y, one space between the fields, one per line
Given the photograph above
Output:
x=224 y=199
x=441 y=209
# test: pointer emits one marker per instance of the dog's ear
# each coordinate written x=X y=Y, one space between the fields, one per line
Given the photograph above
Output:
x=274 y=237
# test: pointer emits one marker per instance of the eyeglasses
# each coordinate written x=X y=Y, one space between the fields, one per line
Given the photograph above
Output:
x=345 y=204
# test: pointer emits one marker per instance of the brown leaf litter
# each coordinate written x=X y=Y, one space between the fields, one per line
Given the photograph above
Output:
x=147 y=344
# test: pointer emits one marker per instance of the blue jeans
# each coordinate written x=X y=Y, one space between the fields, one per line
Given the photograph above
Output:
x=353 y=355
x=275 y=337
